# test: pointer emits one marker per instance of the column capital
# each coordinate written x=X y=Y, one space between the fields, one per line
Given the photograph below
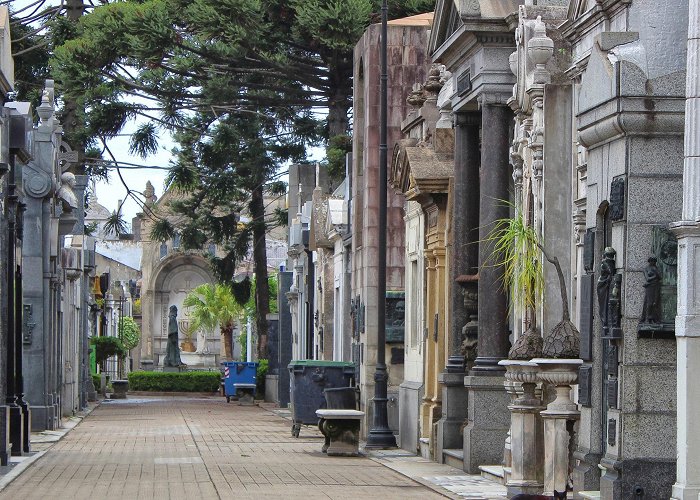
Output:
x=471 y=118
x=493 y=99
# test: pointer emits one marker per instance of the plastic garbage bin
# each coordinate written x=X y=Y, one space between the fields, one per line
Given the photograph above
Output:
x=238 y=372
x=308 y=379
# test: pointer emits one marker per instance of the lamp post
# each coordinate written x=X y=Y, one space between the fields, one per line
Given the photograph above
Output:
x=380 y=436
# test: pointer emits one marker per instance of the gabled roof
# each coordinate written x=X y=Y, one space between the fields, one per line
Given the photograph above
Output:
x=416 y=170
x=452 y=16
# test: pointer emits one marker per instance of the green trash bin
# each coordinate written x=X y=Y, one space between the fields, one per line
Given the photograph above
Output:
x=308 y=379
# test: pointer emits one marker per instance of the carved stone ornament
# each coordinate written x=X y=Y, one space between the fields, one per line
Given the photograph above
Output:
x=37 y=183
x=540 y=49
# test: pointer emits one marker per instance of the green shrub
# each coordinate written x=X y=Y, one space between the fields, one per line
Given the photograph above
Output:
x=263 y=366
x=96 y=382
x=175 y=382
x=106 y=347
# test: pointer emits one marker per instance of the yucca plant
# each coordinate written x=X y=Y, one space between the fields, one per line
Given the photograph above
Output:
x=516 y=248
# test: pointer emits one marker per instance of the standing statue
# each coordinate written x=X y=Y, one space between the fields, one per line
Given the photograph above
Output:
x=652 y=293
x=607 y=271
x=172 y=351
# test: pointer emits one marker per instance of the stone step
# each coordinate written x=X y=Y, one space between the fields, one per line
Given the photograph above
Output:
x=493 y=473
x=589 y=495
x=454 y=458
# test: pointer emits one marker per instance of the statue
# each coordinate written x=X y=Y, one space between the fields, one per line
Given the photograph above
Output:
x=607 y=271
x=652 y=293
x=66 y=193
x=172 y=351
x=202 y=347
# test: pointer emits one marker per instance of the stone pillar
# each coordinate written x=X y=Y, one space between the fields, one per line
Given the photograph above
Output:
x=463 y=261
x=465 y=227
x=559 y=420
x=493 y=343
x=488 y=418
x=688 y=316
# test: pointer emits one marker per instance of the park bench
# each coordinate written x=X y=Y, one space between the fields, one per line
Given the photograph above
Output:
x=341 y=428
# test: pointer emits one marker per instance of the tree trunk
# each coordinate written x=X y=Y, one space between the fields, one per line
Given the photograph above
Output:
x=262 y=289
x=70 y=117
x=227 y=337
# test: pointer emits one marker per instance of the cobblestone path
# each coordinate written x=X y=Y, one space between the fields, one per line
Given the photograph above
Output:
x=179 y=448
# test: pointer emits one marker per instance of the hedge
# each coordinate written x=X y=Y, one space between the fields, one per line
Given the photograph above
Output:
x=175 y=382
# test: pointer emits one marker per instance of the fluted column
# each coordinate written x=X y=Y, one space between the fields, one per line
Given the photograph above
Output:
x=688 y=317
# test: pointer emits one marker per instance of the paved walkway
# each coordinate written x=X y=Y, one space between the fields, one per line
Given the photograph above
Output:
x=192 y=448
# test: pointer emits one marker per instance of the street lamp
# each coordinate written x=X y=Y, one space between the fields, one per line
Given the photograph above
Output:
x=380 y=436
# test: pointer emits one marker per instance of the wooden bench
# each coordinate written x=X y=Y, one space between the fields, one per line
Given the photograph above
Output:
x=245 y=393
x=341 y=428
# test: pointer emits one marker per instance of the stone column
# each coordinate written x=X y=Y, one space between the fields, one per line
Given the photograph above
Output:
x=493 y=343
x=463 y=261
x=487 y=414
x=465 y=223
x=688 y=316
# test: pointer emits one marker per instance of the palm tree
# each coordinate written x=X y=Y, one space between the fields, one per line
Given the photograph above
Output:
x=214 y=305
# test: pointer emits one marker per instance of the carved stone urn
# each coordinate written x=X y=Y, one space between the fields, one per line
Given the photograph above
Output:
x=540 y=49
x=562 y=374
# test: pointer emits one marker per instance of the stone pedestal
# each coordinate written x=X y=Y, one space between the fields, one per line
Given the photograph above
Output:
x=341 y=428
x=454 y=412
x=488 y=422
x=562 y=373
x=17 y=430
x=526 y=431
x=120 y=389
x=198 y=359
x=175 y=369
x=147 y=365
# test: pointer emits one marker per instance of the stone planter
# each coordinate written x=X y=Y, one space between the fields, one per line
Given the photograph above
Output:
x=562 y=373
x=120 y=388
x=526 y=440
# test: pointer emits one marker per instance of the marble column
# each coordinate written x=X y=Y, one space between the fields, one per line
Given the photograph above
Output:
x=463 y=261
x=465 y=223
x=488 y=418
x=493 y=343
x=688 y=316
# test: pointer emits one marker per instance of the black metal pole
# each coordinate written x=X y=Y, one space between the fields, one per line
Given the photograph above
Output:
x=380 y=436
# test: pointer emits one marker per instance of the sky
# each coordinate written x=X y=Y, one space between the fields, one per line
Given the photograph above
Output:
x=109 y=194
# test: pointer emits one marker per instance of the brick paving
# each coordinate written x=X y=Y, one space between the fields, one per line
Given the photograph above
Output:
x=199 y=448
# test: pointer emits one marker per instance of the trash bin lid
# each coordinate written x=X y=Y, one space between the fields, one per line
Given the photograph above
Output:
x=315 y=362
